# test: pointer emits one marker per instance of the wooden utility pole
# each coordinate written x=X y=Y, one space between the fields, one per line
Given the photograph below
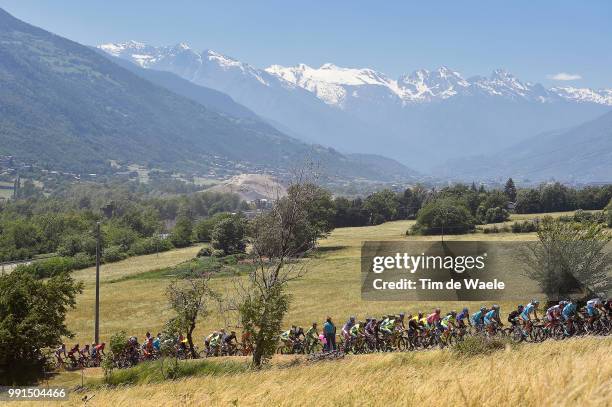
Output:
x=97 y=322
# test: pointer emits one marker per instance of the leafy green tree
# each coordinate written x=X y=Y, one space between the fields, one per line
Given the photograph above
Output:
x=32 y=317
x=510 y=190
x=203 y=228
x=190 y=299
x=382 y=206
x=528 y=201
x=444 y=216
x=229 y=235
x=183 y=230
x=609 y=213
x=557 y=197
x=569 y=257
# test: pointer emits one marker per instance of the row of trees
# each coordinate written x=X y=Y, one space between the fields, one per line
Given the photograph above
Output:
x=132 y=222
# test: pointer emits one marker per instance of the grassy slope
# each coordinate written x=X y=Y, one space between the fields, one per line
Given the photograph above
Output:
x=570 y=373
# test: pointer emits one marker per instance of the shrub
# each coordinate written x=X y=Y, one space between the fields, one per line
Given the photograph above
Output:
x=113 y=253
x=446 y=215
x=526 y=226
x=218 y=253
x=203 y=229
x=150 y=245
x=205 y=252
x=479 y=345
x=82 y=260
x=157 y=371
x=229 y=235
x=47 y=268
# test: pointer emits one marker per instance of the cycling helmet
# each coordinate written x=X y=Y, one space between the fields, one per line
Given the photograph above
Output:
x=495 y=307
x=420 y=315
x=401 y=315
x=437 y=310
x=361 y=323
x=352 y=319
x=521 y=307
x=409 y=316
x=465 y=310
x=453 y=312
x=483 y=309
x=535 y=302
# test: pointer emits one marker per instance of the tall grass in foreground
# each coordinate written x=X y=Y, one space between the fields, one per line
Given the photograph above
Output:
x=566 y=373
x=160 y=370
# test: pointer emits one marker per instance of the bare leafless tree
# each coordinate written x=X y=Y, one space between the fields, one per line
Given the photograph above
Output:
x=262 y=299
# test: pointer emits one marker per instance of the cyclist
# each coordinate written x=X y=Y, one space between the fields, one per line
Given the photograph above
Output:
x=347 y=327
x=433 y=319
x=147 y=348
x=72 y=352
x=525 y=316
x=514 y=315
x=477 y=318
x=593 y=308
x=400 y=321
x=182 y=344
x=388 y=325
x=97 y=352
x=59 y=352
x=210 y=342
x=463 y=317
x=229 y=342
x=567 y=315
x=298 y=332
x=287 y=337
x=157 y=342
x=247 y=342
x=85 y=353
x=414 y=325
x=492 y=320
x=371 y=331
x=554 y=313
x=357 y=331
x=448 y=323
x=312 y=337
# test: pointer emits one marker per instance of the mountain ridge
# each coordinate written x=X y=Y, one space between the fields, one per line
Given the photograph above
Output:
x=64 y=105
x=421 y=119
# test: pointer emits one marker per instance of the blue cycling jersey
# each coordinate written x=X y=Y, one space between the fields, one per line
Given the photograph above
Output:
x=462 y=315
x=529 y=309
x=490 y=316
x=477 y=318
x=568 y=310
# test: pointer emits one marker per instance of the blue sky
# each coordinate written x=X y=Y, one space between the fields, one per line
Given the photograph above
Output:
x=532 y=39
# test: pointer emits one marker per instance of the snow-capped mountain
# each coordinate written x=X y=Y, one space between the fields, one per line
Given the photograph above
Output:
x=332 y=84
x=363 y=110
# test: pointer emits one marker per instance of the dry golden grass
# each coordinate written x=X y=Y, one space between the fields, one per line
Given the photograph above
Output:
x=570 y=373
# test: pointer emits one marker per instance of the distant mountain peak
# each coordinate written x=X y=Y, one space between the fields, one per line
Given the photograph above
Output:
x=334 y=84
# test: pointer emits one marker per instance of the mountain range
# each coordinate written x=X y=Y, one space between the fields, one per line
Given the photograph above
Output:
x=65 y=105
x=582 y=154
x=422 y=119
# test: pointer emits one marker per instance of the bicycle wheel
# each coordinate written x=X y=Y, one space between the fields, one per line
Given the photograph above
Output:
x=402 y=344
